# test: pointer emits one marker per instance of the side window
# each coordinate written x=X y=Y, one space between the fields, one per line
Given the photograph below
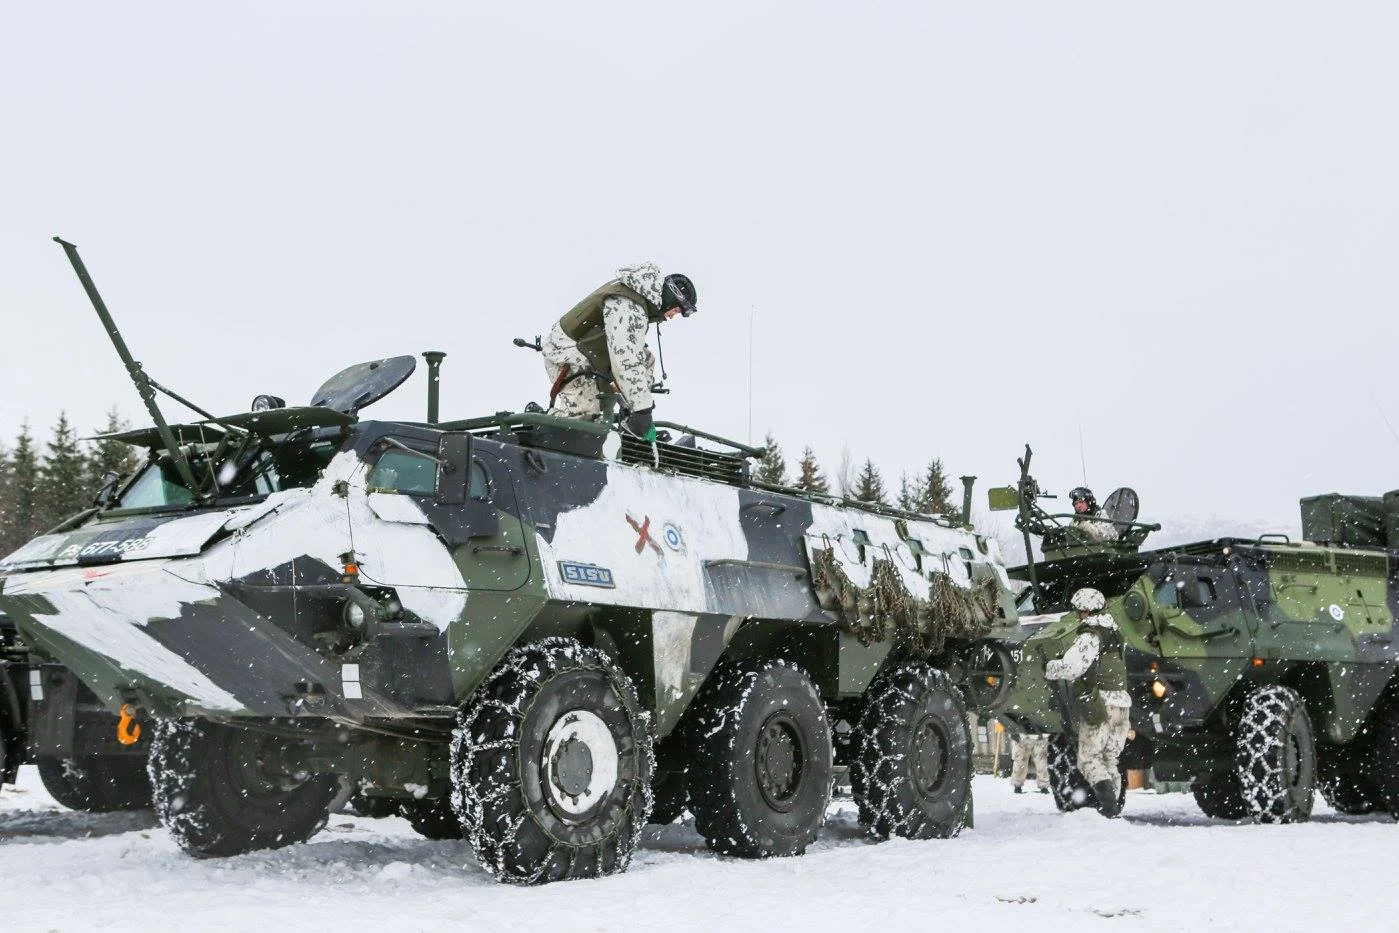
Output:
x=1199 y=592
x=1167 y=590
x=403 y=472
x=478 y=483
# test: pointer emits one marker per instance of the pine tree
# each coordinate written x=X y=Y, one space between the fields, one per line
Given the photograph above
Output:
x=4 y=492
x=20 y=519
x=63 y=477
x=911 y=493
x=109 y=456
x=869 y=485
x=937 y=491
x=809 y=474
x=772 y=468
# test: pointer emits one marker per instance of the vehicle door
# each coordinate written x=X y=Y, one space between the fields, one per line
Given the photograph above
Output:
x=415 y=538
x=1204 y=631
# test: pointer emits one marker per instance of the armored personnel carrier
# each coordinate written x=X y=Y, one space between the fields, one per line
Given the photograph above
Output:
x=1261 y=670
x=535 y=632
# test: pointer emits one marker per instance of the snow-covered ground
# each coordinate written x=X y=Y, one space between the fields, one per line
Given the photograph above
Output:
x=1025 y=866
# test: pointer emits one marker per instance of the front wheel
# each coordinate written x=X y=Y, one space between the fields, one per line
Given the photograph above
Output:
x=760 y=769
x=97 y=784
x=1219 y=796
x=1275 y=755
x=911 y=766
x=218 y=794
x=551 y=765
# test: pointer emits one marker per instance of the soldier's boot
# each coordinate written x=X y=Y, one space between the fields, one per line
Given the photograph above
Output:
x=1106 y=793
x=1019 y=789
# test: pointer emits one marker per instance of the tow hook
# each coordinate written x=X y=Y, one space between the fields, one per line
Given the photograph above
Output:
x=128 y=729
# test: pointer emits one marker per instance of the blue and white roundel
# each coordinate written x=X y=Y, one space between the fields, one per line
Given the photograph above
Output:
x=672 y=537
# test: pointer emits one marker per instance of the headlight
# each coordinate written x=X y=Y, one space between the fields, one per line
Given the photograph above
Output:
x=355 y=616
x=267 y=403
x=1159 y=689
x=1134 y=604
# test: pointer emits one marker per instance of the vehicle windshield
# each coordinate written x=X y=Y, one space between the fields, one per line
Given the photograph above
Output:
x=267 y=468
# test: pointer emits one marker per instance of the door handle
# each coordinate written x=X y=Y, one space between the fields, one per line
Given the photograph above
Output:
x=498 y=549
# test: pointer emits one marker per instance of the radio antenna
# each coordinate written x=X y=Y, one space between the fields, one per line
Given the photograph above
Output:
x=752 y=317
x=1082 y=460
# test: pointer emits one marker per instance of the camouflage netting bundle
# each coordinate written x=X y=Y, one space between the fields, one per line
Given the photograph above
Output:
x=920 y=625
x=835 y=592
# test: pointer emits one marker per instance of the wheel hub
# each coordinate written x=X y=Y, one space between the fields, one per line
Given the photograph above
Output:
x=779 y=761
x=929 y=754
x=580 y=764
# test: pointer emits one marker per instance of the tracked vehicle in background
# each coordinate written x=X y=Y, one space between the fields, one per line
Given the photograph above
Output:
x=535 y=632
x=1261 y=670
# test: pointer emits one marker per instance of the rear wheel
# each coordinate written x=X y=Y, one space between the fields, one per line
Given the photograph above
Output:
x=1219 y=796
x=1346 y=779
x=670 y=795
x=551 y=765
x=218 y=792
x=1275 y=755
x=760 y=772
x=1384 y=758
x=911 y=763
x=97 y=784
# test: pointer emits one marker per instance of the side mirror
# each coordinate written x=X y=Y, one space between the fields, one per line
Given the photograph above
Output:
x=453 y=467
x=110 y=480
x=1003 y=498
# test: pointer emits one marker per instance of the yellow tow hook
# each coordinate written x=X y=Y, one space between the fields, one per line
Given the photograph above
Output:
x=128 y=729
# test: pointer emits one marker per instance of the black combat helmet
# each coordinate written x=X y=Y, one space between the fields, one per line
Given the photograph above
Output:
x=1083 y=494
x=679 y=292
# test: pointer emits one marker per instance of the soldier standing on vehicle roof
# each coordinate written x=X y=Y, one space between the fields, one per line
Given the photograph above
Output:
x=1102 y=706
x=603 y=340
x=1022 y=749
x=1086 y=516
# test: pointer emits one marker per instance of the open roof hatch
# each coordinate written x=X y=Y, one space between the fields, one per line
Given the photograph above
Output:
x=363 y=384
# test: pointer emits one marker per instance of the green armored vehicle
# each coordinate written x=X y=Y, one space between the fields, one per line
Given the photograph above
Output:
x=535 y=632
x=1261 y=670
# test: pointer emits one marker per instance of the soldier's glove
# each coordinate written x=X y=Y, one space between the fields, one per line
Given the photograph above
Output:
x=642 y=425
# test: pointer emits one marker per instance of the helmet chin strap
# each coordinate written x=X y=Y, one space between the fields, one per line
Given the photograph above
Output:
x=660 y=354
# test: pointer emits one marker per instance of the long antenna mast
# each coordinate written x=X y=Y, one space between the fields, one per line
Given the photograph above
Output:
x=144 y=385
x=752 y=316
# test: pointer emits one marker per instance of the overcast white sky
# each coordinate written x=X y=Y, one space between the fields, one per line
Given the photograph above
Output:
x=962 y=226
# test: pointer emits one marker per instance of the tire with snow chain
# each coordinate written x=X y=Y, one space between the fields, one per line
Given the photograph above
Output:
x=760 y=764
x=1219 y=796
x=216 y=796
x=433 y=819
x=1070 y=788
x=551 y=765
x=911 y=755
x=1275 y=755
x=97 y=784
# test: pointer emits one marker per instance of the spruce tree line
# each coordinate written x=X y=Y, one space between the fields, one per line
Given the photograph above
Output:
x=40 y=485
x=929 y=493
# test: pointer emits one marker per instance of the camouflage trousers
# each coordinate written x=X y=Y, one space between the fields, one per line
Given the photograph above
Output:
x=579 y=398
x=1022 y=749
x=1100 y=746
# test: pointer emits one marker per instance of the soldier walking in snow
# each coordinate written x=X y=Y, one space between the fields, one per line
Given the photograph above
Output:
x=1094 y=664
x=602 y=341
x=1022 y=749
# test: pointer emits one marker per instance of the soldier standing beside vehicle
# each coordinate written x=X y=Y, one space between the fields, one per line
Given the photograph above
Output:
x=1094 y=664
x=602 y=340
x=1022 y=749
x=1086 y=520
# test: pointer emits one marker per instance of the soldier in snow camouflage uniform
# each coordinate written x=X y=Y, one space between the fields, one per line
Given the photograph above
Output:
x=1022 y=749
x=1086 y=521
x=605 y=333
x=1094 y=664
